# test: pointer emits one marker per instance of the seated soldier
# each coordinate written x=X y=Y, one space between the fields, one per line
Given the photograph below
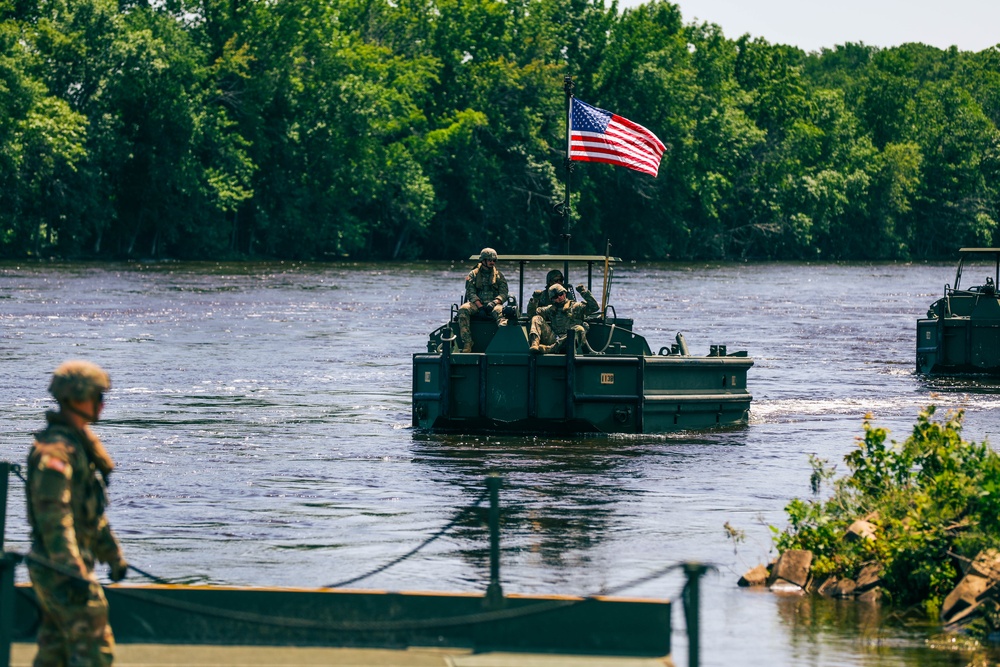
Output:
x=541 y=297
x=553 y=324
x=485 y=292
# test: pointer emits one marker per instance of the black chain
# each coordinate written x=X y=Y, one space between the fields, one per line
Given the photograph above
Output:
x=385 y=626
x=64 y=570
x=644 y=579
x=16 y=469
x=74 y=574
x=458 y=517
x=149 y=576
x=412 y=624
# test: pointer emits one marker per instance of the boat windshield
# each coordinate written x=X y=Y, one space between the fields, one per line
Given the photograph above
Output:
x=981 y=267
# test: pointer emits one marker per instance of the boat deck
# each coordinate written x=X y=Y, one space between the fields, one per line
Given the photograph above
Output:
x=157 y=655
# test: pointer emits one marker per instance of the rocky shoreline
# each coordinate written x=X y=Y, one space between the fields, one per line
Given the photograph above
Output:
x=927 y=534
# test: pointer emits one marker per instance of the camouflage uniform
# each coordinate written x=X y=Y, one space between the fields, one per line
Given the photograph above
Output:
x=540 y=297
x=553 y=322
x=484 y=284
x=66 y=493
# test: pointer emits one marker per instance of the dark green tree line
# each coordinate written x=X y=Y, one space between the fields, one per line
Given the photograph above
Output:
x=324 y=129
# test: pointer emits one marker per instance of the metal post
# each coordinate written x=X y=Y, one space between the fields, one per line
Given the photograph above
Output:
x=692 y=602
x=5 y=469
x=570 y=391
x=444 y=380
x=521 y=307
x=494 y=593
x=566 y=208
x=7 y=563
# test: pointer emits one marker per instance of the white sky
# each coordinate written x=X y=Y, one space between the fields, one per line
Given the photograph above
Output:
x=971 y=25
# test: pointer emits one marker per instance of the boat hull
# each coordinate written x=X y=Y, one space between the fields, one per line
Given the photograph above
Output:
x=959 y=345
x=515 y=391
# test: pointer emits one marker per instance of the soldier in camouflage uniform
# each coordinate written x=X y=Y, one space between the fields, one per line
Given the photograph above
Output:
x=552 y=324
x=541 y=297
x=68 y=470
x=485 y=290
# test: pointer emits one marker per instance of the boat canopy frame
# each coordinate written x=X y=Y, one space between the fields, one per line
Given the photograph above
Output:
x=565 y=260
x=966 y=253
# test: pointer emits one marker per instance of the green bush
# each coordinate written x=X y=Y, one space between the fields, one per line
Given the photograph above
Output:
x=934 y=502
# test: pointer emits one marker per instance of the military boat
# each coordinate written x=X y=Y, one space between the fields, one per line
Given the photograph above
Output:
x=961 y=333
x=622 y=387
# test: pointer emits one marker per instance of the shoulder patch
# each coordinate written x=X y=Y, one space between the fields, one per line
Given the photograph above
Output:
x=49 y=462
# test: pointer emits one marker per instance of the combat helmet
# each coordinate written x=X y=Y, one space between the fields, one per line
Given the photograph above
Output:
x=488 y=253
x=79 y=380
x=555 y=290
x=552 y=276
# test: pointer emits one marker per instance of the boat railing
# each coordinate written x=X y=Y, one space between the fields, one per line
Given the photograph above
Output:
x=565 y=261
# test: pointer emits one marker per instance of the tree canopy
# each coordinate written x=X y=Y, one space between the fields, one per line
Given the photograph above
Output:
x=401 y=129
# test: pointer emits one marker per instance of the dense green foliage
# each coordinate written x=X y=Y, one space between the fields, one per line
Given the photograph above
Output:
x=934 y=500
x=429 y=128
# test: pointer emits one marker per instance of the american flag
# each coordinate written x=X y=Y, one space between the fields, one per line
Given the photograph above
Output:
x=601 y=136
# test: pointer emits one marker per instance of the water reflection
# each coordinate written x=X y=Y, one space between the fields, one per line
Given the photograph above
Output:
x=559 y=496
x=820 y=628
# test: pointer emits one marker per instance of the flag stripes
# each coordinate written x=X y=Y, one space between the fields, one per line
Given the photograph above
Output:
x=601 y=136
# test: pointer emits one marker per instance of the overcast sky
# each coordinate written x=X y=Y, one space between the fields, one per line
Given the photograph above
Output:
x=971 y=25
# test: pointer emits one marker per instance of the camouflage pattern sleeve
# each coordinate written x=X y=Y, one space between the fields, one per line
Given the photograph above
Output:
x=470 y=288
x=534 y=302
x=50 y=490
x=592 y=305
x=106 y=547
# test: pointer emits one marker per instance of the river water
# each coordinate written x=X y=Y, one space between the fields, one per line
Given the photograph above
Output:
x=260 y=419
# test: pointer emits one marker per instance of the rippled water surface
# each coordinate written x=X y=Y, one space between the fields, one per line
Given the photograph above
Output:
x=261 y=423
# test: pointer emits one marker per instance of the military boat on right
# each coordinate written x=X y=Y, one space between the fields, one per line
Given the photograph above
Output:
x=961 y=333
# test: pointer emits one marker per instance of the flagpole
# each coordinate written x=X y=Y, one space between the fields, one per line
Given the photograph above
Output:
x=568 y=87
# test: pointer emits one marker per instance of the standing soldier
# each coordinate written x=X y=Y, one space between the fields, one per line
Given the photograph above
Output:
x=485 y=290
x=552 y=325
x=68 y=470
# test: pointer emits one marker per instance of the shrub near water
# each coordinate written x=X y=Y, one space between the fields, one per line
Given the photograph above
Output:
x=934 y=501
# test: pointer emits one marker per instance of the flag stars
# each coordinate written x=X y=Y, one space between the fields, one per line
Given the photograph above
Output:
x=589 y=119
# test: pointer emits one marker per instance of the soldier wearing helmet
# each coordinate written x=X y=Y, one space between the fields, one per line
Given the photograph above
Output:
x=485 y=291
x=552 y=325
x=68 y=470
x=541 y=297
